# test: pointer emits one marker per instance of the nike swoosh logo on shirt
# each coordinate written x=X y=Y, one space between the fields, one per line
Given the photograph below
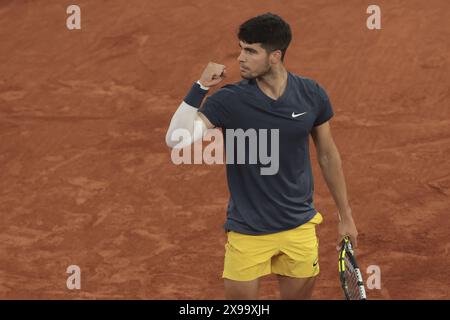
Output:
x=297 y=115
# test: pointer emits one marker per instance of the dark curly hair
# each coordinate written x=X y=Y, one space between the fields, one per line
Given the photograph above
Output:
x=268 y=29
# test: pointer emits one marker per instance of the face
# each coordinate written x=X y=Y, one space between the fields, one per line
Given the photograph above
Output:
x=254 y=61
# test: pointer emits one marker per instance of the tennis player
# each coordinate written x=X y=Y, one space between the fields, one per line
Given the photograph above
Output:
x=271 y=219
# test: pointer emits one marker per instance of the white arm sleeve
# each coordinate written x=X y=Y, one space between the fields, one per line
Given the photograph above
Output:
x=185 y=128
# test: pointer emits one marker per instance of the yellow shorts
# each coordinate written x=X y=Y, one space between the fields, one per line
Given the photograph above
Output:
x=293 y=253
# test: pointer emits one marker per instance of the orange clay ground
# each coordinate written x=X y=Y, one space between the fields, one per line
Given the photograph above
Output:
x=86 y=177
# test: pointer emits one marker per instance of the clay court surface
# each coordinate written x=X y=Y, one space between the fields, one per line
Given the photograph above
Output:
x=86 y=178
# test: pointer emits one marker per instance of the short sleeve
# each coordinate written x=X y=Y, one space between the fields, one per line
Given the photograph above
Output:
x=325 y=110
x=216 y=111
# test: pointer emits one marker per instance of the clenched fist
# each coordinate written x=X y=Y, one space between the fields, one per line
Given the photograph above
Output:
x=213 y=74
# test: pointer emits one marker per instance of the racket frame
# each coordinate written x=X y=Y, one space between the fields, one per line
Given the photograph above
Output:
x=347 y=251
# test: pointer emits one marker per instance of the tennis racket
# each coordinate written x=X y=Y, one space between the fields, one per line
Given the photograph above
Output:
x=349 y=273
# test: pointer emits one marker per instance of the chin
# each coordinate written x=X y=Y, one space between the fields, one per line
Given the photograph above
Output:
x=246 y=76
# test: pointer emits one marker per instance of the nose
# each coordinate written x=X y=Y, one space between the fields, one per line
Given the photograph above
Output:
x=240 y=58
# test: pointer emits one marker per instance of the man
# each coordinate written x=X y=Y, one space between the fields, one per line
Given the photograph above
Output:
x=271 y=219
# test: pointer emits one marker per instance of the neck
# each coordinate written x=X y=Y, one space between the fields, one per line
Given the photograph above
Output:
x=274 y=82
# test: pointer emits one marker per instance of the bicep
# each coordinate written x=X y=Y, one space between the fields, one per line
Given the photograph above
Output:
x=205 y=120
x=323 y=140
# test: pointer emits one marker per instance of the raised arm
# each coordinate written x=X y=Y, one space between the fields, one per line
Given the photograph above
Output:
x=187 y=125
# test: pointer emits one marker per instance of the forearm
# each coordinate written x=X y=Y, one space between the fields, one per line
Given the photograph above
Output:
x=185 y=124
x=331 y=166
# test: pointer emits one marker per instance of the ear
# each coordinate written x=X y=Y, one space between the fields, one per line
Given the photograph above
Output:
x=275 y=56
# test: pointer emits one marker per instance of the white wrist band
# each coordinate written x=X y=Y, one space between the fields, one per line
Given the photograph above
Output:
x=204 y=88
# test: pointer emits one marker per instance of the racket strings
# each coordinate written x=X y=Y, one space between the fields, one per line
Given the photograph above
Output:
x=351 y=280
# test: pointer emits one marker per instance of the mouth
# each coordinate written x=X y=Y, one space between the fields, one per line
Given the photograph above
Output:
x=243 y=68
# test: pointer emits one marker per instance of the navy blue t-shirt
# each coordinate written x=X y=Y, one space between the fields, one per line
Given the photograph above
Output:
x=263 y=204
